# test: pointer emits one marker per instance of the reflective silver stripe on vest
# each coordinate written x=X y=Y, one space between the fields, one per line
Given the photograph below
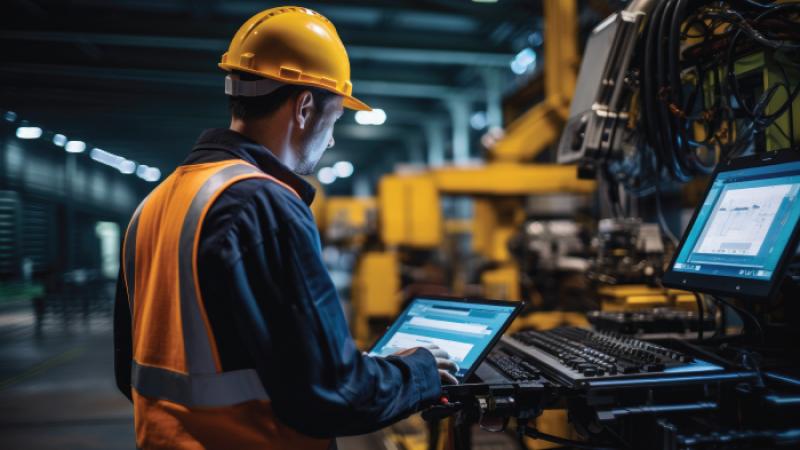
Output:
x=130 y=255
x=209 y=390
x=197 y=344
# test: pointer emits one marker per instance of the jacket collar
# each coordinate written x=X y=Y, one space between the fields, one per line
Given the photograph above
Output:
x=240 y=146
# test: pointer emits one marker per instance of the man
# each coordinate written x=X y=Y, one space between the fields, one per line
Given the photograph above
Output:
x=228 y=329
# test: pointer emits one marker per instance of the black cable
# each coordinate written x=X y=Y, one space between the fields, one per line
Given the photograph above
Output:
x=536 y=434
x=759 y=121
x=662 y=221
x=648 y=90
x=673 y=164
x=791 y=108
x=734 y=82
x=759 y=5
x=674 y=97
x=736 y=19
x=742 y=314
x=700 y=312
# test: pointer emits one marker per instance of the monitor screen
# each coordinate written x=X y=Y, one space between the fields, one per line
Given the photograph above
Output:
x=744 y=224
x=461 y=328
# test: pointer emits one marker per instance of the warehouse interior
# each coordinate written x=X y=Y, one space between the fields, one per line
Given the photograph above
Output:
x=624 y=175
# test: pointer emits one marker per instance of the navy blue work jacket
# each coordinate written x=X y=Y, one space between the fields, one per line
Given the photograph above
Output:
x=273 y=307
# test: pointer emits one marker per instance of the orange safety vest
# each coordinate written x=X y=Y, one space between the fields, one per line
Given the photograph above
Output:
x=181 y=397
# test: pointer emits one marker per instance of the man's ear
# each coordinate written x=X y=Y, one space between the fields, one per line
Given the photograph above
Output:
x=303 y=108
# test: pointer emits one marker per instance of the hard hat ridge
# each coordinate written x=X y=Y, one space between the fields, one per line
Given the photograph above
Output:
x=290 y=45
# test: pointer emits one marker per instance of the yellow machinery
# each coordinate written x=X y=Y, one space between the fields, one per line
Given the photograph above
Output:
x=498 y=190
x=633 y=297
x=541 y=126
x=348 y=218
x=410 y=216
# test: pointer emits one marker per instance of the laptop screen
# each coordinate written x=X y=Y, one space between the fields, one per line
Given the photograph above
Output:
x=461 y=328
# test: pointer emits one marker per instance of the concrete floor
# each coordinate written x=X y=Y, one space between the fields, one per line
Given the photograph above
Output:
x=56 y=383
x=57 y=387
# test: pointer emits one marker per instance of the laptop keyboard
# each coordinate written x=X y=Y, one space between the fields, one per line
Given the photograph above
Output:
x=512 y=366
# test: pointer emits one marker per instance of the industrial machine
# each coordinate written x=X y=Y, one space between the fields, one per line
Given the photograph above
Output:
x=741 y=249
x=692 y=344
x=619 y=345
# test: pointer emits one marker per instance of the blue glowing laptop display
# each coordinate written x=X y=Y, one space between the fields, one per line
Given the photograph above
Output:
x=465 y=329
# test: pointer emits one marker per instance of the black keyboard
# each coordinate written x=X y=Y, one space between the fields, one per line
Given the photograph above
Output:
x=576 y=354
x=513 y=367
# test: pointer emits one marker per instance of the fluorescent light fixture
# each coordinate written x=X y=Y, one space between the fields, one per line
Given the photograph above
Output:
x=478 y=121
x=375 y=117
x=148 y=173
x=141 y=171
x=343 y=169
x=127 y=167
x=59 y=140
x=107 y=158
x=10 y=116
x=75 y=146
x=536 y=38
x=29 y=132
x=524 y=61
x=153 y=174
x=326 y=175
x=484 y=1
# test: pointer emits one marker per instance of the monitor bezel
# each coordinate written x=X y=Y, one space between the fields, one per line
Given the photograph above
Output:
x=516 y=304
x=744 y=288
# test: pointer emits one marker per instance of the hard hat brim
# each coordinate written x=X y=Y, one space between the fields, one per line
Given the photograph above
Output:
x=351 y=102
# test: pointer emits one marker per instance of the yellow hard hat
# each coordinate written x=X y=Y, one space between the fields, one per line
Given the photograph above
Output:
x=289 y=45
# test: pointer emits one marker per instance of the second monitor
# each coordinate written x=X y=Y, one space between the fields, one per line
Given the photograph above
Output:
x=744 y=232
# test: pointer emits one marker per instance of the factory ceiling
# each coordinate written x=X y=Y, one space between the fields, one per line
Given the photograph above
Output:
x=139 y=77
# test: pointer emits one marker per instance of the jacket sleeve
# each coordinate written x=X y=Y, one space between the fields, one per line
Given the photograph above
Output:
x=123 y=346
x=290 y=318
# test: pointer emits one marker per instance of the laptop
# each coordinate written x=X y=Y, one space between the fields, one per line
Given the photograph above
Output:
x=466 y=329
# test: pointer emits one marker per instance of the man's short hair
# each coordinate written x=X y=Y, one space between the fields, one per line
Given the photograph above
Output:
x=246 y=108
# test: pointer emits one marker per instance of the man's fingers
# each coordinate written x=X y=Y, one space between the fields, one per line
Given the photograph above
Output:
x=439 y=353
x=447 y=378
x=446 y=364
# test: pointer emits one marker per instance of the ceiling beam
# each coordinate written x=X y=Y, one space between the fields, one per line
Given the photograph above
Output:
x=356 y=52
x=202 y=79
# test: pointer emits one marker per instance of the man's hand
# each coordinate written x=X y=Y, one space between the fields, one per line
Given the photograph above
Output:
x=446 y=366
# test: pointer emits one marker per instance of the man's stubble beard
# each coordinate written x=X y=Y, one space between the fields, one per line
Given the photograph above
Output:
x=305 y=165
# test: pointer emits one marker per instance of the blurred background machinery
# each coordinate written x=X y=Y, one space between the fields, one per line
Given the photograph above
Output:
x=549 y=152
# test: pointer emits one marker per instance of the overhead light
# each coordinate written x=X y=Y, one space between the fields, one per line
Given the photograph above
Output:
x=127 y=167
x=478 y=121
x=536 y=39
x=375 y=117
x=59 y=140
x=484 y=1
x=10 y=116
x=153 y=174
x=29 y=132
x=75 y=146
x=524 y=61
x=148 y=173
x=141 y=170
x=343 y=169
x=107 y=158
x=326 y=175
